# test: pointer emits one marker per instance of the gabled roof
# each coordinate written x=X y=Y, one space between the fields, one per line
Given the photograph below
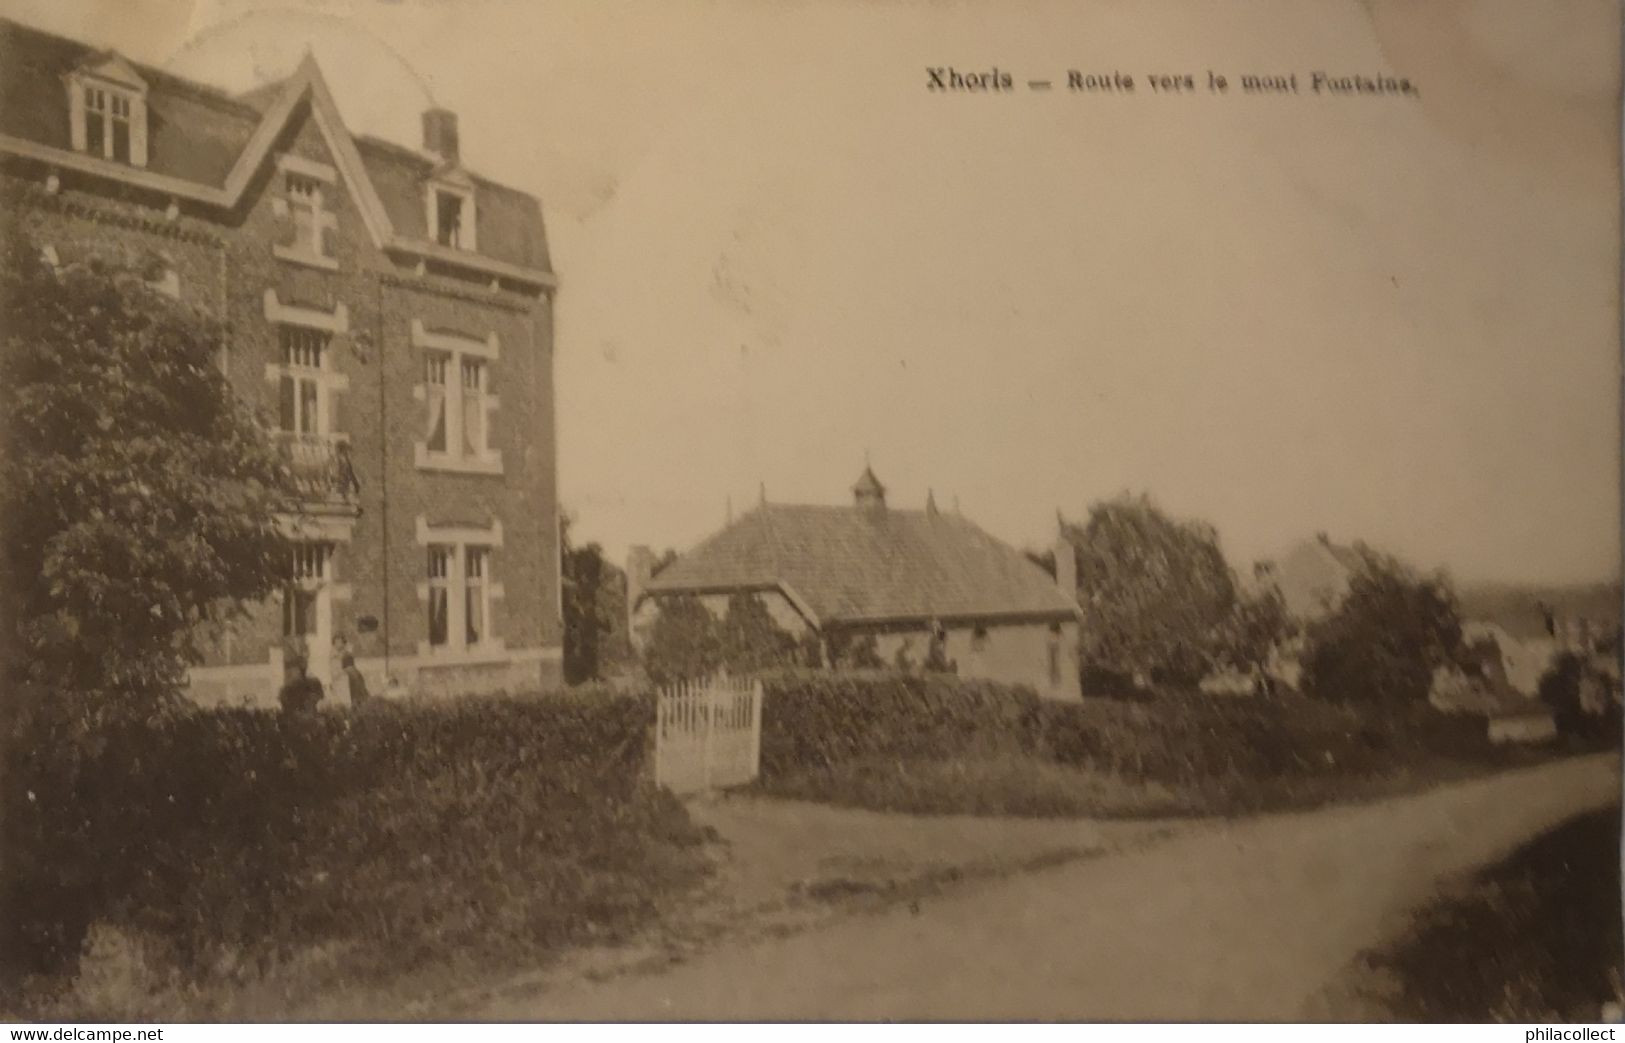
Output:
x=206 y=146
x=846 y=564
x=1313 y=576
x=115 y=69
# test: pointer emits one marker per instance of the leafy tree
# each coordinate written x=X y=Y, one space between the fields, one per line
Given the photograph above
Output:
x=595 y=623
x=1386 y=637
x=684 y=643
x=1156 y=593
x=139 y=498
x=751 y=639
x=1258 y=624
x=1581 y=698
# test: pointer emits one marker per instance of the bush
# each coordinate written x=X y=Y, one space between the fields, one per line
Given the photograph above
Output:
x=883 y=740
x=1386 y=638
x=814 y=719
x=1195 y=739
x=502 y=825
x=686 y=642
x=1581 y=700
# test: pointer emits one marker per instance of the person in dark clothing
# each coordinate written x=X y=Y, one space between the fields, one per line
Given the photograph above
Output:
x=300 y=693
x=358 y=684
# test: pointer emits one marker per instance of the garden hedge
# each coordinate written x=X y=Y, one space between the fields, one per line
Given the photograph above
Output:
x=401 y=831
x=814 y=719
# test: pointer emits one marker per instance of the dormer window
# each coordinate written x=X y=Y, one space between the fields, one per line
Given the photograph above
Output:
x=305 y=202
x=448 y=210
x=107 y=111
x=450 y=216
x=107 y=124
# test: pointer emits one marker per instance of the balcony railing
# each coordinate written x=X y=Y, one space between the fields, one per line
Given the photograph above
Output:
x=322 y=470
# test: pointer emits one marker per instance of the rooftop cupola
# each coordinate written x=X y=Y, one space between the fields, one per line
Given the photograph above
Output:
x=867 y=493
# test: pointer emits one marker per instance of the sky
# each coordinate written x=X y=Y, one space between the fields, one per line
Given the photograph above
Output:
x=1389 y=319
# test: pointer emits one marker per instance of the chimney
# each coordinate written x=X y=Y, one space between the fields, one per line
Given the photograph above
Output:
x=1066 y=561
x=930 y=503
x=440 y=133
x=640 y=566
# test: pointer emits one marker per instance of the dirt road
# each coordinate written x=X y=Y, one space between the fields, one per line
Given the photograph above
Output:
x=1255 y=919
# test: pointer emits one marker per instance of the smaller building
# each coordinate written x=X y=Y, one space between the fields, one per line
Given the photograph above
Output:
x=1313 y=576
x=908 y=579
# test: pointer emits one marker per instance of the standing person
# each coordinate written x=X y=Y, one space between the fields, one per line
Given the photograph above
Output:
x=358 y=684
x=300 y=693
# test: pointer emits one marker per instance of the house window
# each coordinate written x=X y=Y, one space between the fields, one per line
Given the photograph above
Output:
x=456 y=392
x=476 y=601
x=440 y=558
x=448 y=211
x=108 y=124
x=308 y=569
x=302 y=385
x=435 y=368
x=305 y=205
x=459 y=592
x=305 y=202
x=455 y=420
x=1054 y=654
x=473 y=407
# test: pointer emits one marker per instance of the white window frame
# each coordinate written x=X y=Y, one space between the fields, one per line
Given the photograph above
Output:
x=467 y=217
x=309 y=569
x=329 y=382
x=304 y=190
x=302 y=375
x=84 y=85
x=445 y=555
x=457 y=350
x=476 y=562
x=461 y=545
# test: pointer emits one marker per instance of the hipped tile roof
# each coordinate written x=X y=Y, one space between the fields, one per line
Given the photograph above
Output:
x=850 y=564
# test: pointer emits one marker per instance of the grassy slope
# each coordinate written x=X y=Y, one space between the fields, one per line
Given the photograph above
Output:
x=1027 y=787
x=1535 y=937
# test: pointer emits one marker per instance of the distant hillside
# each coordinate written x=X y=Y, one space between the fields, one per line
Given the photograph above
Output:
x=1516 y=606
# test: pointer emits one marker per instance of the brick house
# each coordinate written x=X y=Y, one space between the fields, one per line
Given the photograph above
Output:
x=390 y=315
x=903 y=577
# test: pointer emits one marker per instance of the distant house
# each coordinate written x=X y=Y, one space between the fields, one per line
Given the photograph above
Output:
x=905 y=578
x=1313 y=577
x=1522 y=659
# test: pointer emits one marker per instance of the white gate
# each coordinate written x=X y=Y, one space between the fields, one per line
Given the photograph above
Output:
x=708 y=734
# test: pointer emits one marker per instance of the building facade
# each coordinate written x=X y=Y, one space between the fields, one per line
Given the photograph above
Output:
x=389 y=314
x=905 y=579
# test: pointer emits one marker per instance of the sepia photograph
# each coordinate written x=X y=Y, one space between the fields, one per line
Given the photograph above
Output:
x=863 y=511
